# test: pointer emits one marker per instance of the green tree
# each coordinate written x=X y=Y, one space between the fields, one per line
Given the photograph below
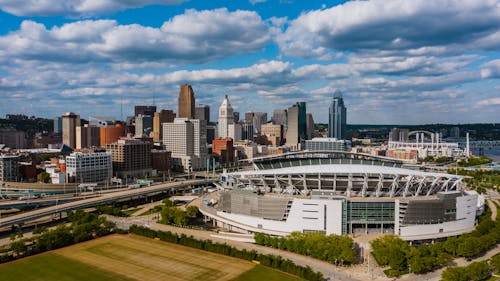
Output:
x=478 y=271
x=454 y=274
x=192 y=211
x=44 y=177
x=168 y=203
x=19 y=247
x=495 y=263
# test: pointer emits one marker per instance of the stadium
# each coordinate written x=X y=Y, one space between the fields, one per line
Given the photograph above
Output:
x=343 y=193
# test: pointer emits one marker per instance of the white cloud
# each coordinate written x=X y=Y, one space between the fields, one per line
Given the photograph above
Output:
x=394 y=25
x=192 y=37
x=75 y=8
x=488 y=102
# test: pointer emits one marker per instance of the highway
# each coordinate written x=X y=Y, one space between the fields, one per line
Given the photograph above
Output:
x=96 y=201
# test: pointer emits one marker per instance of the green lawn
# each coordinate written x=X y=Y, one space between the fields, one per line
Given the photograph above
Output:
x=52 y=266
x=259 y=273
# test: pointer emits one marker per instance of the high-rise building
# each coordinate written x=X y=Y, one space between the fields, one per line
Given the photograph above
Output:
x=249 y=116
x=131 y=157
x=57 y=124
x=92 y=167
x=337 y=117
x=292 y=134
x=273 y=132
x=247 y=130
x=236 y=117
x=112 y=134
x=259 y=118
x=224 y=149
x=143 y=125
x=186 y=102
x=279 y=117
x=187 y=140
x=302 y=120
x=225 y=118
x=164 y=116
x=69 y=123
x=161 y=160
x=202 y=112
x=87 y=136
x=309 y=125
x=144 y=110
x=9 y=168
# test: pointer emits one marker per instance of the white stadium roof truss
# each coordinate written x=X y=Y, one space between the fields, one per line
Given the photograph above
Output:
x=347 y=180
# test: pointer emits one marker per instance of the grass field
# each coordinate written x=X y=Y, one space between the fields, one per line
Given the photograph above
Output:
x=135 y=258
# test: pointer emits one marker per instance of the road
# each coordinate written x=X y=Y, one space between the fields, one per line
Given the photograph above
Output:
x=91 y=202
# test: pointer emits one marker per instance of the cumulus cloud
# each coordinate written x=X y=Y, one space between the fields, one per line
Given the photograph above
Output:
x=491 y=69
x=75 y=8
x=192 y=37
x=394 y=25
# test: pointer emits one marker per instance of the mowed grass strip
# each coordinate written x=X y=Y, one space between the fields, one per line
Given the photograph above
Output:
x=143 y=258
x=51 y=266
x=260 y=273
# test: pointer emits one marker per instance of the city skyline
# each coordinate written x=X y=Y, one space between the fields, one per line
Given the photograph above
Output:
x=95 y=59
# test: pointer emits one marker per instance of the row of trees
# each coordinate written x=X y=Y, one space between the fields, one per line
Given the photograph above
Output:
x=84 y=226
x=475 y=271
x=208 y=245
x=332 y=248
x=402 y=258
x=173 y=215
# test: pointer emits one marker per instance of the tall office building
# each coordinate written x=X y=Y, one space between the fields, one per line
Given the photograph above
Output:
x=69 y=123
x=112 y=134
x=225 y=118
x=279 y=117
x=309 y=125
x=302 y=120
x=259 y=118
x=292 y=134
x=57 y=124
x=186 y=102
x=202 y=112
x=236 y=117
x=337 y=117
x=187 y=140
x=143 y=125
x=87 y=136
x=131 y=157
x=249 y=116
x=247 y=130
x=164 y=116
x=144 y=110
x=273 y=132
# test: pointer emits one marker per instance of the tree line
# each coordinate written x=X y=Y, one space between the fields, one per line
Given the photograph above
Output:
x=402 y=258
x=475 y=271
x=273 y=261
x=170 y=214
x=84 y=226
x=332 y=248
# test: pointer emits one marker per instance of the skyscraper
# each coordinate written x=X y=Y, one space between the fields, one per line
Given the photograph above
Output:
x=226 y=118
x=186 y=102
x=259 y=118
x=292 y=134
x=309 y=125
x=279 y=117
x=143 y=125
x=164 y=116
x=337 y=117
x=69 y=123
x=202 y=112
x=87 y=136
x=57 y=124
x=302 y=120
x=144 y=110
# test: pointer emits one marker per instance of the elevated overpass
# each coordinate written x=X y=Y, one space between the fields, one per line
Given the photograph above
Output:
x=96 y=201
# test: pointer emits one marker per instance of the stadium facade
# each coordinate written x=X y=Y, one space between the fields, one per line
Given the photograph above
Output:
x=343 y=193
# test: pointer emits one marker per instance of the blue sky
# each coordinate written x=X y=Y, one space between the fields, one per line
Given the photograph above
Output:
x=396 y=61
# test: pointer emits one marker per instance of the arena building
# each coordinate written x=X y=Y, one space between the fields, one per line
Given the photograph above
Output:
x=343 y=193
